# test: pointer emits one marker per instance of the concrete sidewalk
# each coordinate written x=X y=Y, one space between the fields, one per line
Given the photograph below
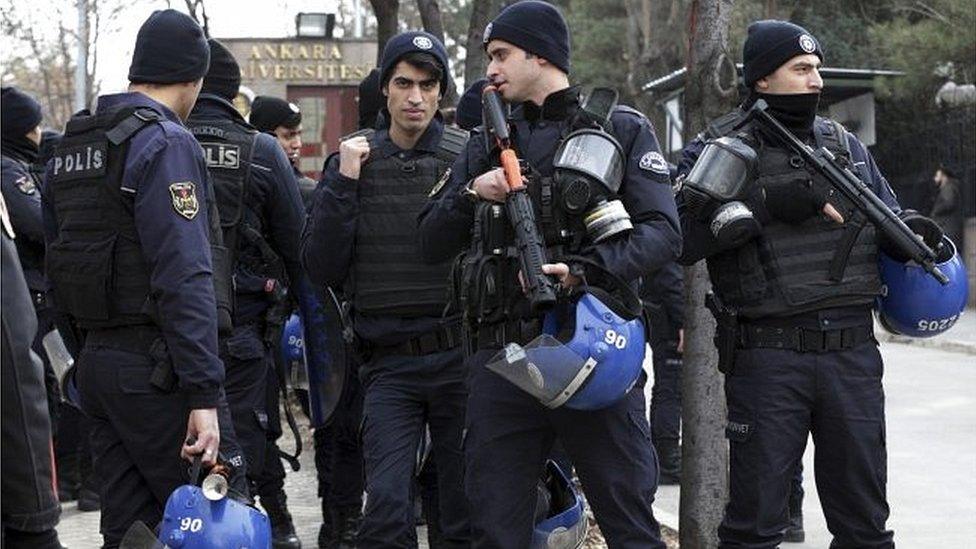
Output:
x=931 y=433
x=961 y=338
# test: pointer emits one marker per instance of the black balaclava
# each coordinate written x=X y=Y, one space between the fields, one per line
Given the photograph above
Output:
x=796 y=111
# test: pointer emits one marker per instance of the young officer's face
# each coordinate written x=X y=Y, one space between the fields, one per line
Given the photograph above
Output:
x=411 y=97
x=512 y=70
x=290 y=140
x=798 y=75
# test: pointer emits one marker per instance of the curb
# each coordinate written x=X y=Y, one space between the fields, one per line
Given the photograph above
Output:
x=952 y=346
x=665 y=518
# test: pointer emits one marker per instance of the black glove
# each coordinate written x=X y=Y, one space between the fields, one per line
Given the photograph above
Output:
x=795 y=202
x=929 y=230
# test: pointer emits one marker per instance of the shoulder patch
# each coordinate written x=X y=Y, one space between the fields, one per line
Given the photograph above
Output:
x=440 y=183
x=653 y=161
x=25 y=184
x=185 y=199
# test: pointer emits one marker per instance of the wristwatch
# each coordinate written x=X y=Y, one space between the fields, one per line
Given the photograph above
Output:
x=469 y=192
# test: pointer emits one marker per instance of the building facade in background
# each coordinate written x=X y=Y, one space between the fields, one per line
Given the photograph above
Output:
x=320 y=75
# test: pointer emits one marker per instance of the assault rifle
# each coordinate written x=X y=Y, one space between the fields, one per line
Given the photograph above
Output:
x=851 y=187
x=531 y=247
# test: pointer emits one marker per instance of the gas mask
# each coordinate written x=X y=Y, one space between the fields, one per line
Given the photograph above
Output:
x=589 y=168
x=716 y=188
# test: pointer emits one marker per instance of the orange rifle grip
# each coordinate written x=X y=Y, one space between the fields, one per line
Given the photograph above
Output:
x=513 y=173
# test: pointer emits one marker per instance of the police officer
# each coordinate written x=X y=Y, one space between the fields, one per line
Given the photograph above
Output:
x=261 y=216
x=663 y=296
x=20 y=147
x=361 y=232
x=509 y=433
x=134 y=255
x=468 y=115
x=801 y=356
x=283 y=120
x=30 y=504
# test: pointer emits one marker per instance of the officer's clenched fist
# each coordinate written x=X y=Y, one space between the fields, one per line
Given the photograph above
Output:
x=352 y=153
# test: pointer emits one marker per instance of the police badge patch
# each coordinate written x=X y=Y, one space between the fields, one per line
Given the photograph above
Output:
x=440 y=184
x=185 y=199
x=807 y=44
x=652 y=161
x=25 y=184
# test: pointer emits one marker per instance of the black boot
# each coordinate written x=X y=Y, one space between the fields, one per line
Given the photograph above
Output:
x=282 y=530
x=326 y=531
x=794 y=532
x=669 y=461
x=345 y=521
x=89 y=500
x=69 y=477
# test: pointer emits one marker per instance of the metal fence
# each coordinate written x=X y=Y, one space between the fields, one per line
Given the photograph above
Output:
x=909 y=160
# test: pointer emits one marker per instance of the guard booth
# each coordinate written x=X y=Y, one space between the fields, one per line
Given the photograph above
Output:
x=848 y=97
x=318 y=73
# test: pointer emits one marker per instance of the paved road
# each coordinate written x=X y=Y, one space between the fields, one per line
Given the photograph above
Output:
x=931 y=409
x=80 y=530
x=931 y=413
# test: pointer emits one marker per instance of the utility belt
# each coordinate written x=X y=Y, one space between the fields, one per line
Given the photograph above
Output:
x=497 y=335
x=442 y=339
x=135 y=339
x=143 y=339
x=803 y=340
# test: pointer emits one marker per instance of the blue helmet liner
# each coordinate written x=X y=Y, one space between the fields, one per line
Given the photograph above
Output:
x=588 y=363
x=914 y=304
x=560 y=513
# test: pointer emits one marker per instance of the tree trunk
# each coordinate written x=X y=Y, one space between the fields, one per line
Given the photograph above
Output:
x=430 y=16
x=482 y=11
x=387 y=12
x=709 y=93
x=655 y=47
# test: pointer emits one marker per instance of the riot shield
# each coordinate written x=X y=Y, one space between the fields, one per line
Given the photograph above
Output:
x=325 y=352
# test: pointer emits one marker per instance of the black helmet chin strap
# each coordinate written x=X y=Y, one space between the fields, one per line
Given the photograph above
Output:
x=628 y=305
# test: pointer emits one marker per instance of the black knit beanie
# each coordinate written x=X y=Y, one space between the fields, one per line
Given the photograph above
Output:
x=224 y=76
x=536 y=27
x=267 y=113
x=409 y=42
x=19 y=112
x=770 y=43
x=170 y=49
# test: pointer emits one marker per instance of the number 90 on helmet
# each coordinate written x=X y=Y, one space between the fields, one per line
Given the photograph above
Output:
x=913 y=303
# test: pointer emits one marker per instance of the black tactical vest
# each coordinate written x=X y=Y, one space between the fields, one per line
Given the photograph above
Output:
x=228 y=148
x=96 y=265
x=796 y=268
x=388 y=276
x=485 y=280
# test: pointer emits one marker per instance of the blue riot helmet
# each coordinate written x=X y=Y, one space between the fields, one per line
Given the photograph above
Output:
x=560 y=512
x=292 y=351
x=913 y=303
x=193 y=521
x=589 y=356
